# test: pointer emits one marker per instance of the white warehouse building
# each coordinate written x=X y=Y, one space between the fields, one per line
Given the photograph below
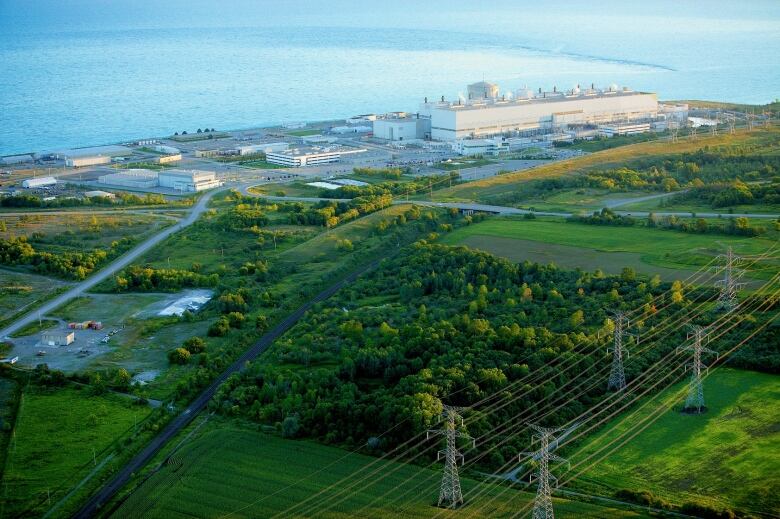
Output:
x=132 y=178
x=188 y=180
x=309 y=156
x=544 y=110
x=32 y=183
x=402 y=128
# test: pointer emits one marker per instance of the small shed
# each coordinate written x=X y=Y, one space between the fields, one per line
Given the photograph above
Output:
x=57 y=337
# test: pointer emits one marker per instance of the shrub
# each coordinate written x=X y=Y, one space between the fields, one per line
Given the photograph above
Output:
x=178 y=356
x=195 y=345
x=220 y=328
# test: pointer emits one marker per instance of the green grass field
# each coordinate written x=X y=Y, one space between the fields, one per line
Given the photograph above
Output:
x=644 y=249
x=727 y=457
x=52 y=445
x=236 y=471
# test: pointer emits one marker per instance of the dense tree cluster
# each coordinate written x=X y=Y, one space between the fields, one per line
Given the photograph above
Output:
x=121 y=199
x=739 y=226
x=604 y=217
x=417 y=185
x=138 y=278
x=330 y=214
x=449 y=325
x=68 y=264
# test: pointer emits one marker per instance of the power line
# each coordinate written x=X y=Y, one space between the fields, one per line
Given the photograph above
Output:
x=695 y=401
x=543 y=508
x=450 y=493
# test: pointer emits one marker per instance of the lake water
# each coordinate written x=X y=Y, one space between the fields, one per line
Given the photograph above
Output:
x=81 y=72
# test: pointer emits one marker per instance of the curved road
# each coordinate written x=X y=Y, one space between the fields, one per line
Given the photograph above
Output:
x=112 y=268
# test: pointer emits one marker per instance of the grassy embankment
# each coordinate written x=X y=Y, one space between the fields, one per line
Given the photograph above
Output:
x=671 y=254
x=725 y=458
x=21 y=292
x=228 y=469
x=487 y=190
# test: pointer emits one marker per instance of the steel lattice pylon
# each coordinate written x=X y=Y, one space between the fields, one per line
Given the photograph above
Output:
x=694 y=403
x=450 y=493
x=617 y=376
x=543 y=508
x=729 y=285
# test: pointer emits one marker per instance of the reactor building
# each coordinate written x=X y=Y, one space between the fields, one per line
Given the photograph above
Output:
x=486 y=113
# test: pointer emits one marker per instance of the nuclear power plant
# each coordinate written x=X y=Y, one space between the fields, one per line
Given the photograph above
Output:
x=486 y=112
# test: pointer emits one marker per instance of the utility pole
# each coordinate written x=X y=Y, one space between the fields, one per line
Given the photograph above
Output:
x=729 y=286
x=543 y=508
x=617 y=376
x=694 y=403
x=450 y=493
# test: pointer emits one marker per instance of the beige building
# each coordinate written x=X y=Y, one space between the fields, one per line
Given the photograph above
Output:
x=57 y=337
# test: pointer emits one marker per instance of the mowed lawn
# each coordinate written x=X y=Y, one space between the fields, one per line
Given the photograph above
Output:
x=244 y=473
x=644 y=249
x=727 y=457
x=51 y=449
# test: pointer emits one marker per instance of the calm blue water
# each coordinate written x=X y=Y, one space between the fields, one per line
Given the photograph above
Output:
x=81 y=72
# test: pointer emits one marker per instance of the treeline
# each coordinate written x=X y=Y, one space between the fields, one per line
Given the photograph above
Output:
x=146 y=278
x=388 y=173
x=331 y=214
x=739 y=226
x=69 y=265
x=411 y=187
x=33 y=201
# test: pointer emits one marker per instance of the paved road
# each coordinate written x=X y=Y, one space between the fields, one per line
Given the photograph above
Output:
x=618 y=202
x=121 y=478
x=500 y=209
x=112 y=268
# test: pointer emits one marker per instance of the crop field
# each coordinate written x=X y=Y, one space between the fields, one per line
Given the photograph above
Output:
x=725 y=458
x=484 y=190
x=593 y=246
x=52 y=447
x=229 y=470
x=20 y=291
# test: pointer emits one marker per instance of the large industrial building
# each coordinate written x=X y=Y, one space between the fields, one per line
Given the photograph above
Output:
x=402 y=128
x=132 y=178
x=488 y=114
x=189 y=181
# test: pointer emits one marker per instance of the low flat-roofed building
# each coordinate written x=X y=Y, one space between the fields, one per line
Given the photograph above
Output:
x=188 y=180
x=16 y=159
x=90 y=160
x=110 y=151
x=471 y=147
x=57 y=337
x=251 y=149
x=167 y=159
x=309 y=156
x=623 y=129
x=132 y=178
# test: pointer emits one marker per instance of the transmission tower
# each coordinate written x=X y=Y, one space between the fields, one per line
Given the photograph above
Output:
x=714 y=127
x=693 y=133
x=543 y=508
x=694 y=403
x=617 y=376
x=729 y=285
x=732 y=123
x=673 y=136
x=450 y=493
